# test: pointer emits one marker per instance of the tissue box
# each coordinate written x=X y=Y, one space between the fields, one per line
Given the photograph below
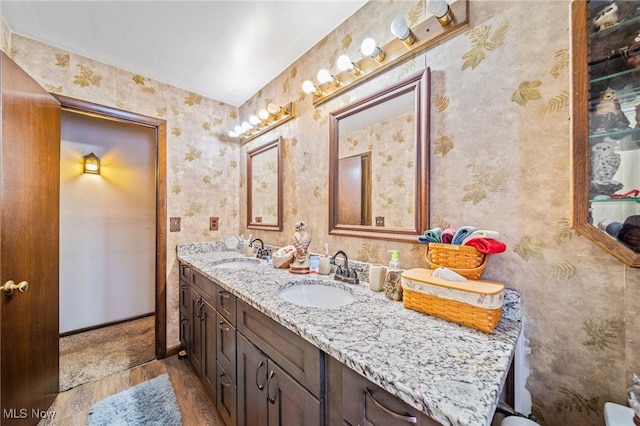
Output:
x=473 y=303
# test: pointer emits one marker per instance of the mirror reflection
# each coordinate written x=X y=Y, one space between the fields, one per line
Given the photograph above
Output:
x=264 y=187
x=378 y=161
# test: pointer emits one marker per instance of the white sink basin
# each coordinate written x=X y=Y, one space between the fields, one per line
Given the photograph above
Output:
x=249 y=262
x=317 y=296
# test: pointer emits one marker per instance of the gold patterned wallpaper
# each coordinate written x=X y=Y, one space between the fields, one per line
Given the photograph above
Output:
x=500 y=159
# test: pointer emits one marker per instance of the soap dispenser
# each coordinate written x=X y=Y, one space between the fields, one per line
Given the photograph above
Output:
x=392 y=285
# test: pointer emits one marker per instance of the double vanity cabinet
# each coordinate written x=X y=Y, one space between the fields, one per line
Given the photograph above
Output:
x=265 y=360
x=260 y=373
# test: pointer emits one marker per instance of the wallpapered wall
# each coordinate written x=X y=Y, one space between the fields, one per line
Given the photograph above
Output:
x=500 y=159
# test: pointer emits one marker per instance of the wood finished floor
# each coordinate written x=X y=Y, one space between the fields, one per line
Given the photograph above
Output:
x=72 y=407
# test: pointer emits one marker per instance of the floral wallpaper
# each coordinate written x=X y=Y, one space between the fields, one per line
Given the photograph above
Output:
x=500 y=148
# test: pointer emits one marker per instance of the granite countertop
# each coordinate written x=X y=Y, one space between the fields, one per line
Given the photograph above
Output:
x=452 y=373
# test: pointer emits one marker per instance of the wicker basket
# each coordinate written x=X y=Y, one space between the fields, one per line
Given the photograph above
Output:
x=481 y=318
x=464 y=260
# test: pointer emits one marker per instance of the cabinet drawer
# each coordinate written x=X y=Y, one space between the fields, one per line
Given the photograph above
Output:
x=226 y=305
x=226 y=398
x=226 y=347
x=303 y=361
x=364 y=403
x=184 y=272
x=206 y=287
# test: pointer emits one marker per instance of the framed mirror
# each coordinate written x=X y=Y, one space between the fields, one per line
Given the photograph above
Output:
x=606 y=126
x=264 y=186
x=379 y=163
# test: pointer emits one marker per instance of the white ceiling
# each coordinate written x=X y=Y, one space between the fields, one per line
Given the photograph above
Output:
x=225 y=50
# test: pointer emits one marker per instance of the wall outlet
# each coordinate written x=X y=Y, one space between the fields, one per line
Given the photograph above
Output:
x=174 y=224
x=380 y=221
x=213 y=223
x=258 y=219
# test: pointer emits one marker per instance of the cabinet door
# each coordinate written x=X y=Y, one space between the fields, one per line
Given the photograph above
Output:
x=226 y=347
x=252 y=384
x=226 y=397
x=185 y=333
x=197 y=307
x=289 y=403
x=209 y=322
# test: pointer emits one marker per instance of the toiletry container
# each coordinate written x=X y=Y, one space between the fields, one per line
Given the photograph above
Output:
x=377 y=275
x=392 y=284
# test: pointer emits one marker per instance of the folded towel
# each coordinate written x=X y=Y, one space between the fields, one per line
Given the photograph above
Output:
x=482 y=233
x=433 y=234
x=463 y=233
x=487 y=245
x=447 y=235
x=423 y=240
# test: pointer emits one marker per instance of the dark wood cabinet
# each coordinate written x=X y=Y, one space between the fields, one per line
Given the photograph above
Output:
x=267 y=395
x=203 y=344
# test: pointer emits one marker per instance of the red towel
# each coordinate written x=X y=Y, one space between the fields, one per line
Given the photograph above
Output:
x=487 y=245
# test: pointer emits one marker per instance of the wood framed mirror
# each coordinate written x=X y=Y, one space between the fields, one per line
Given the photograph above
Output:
x=606 y=126
x=379 y=163
x=264 y=186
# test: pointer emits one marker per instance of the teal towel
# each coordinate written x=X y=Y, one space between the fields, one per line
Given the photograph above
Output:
x=433 y=235
x=463 y=233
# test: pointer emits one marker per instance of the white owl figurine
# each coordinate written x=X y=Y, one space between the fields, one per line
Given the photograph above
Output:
x=604 y=163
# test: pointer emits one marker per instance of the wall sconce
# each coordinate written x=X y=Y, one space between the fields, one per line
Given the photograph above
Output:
x=445 y=22
x=264 y=121
x=370 y=48
x=345 y=64
x=400 y=29
x=440 y=10
x=92 y=164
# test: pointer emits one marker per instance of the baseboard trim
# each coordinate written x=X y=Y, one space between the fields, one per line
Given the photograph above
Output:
x=107 y=324
x=173 y=350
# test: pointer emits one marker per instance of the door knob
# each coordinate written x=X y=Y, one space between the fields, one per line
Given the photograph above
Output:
x=9 y=286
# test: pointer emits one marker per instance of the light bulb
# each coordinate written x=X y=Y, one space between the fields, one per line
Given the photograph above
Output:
x=273 y=109
x=310 y=88
x=324 y=76
x=440 y=10
x=233 y=134
x=246 y=127
x=263 y=114
x=254 y=120
x=238 y=130
x=345 y=64
x=369 y=48
x=400 y=29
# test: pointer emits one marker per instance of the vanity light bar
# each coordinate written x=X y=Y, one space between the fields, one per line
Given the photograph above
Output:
x=266 y=120
x=427 y=34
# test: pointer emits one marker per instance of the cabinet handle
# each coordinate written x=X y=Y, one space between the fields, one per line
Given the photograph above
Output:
x=272 y=379
x=223 y=326
x=226 y=385
x=224 y=294
x=260 y=385
x=200 y=309
x=408 y=418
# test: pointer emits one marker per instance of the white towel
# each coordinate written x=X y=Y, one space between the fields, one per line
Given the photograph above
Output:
x=482 y=233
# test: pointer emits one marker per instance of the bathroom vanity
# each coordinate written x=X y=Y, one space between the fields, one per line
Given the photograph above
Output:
x=368 y=362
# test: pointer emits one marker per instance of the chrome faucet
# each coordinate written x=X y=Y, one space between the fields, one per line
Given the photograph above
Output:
x=343 y=273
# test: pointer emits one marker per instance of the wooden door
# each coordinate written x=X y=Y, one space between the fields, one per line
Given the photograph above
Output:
x=354 y=190
x=29 y=217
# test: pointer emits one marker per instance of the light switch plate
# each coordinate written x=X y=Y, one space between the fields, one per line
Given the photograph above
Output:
x=174 y=224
